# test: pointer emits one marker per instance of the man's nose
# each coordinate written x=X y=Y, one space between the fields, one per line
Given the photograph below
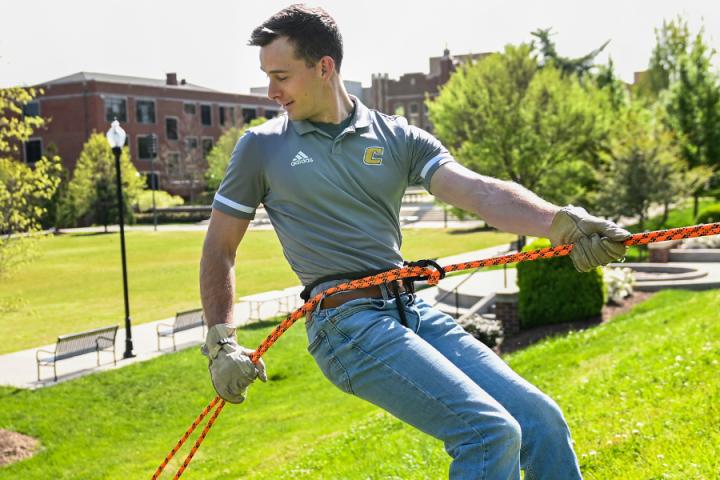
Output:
x=273 y=91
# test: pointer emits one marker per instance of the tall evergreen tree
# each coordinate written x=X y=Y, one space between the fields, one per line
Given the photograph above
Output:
x=580 y=66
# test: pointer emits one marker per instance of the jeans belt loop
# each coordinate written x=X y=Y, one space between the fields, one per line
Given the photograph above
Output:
x=384 y=290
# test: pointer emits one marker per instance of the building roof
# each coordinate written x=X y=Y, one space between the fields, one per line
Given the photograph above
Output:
x=125 y=79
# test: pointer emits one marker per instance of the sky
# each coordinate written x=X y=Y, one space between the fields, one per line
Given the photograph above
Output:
x=205 y=41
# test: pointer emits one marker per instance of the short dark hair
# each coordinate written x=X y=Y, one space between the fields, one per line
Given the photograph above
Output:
x=312 y=30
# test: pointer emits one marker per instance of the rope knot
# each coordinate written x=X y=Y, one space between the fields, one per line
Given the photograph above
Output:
x=435 y=276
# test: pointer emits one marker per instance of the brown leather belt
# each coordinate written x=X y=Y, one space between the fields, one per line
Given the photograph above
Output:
x=343 y=297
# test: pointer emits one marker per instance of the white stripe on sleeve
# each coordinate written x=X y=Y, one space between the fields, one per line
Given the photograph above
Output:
x=237 y=206
x=431 y=163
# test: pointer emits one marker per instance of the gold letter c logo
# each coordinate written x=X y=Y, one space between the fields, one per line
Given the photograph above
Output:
x=373 y=156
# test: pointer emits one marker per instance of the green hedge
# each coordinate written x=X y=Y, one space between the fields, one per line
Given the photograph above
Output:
x=709 y=214
x=552 y=291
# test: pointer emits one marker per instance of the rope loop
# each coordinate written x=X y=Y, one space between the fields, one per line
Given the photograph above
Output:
x=433 y=277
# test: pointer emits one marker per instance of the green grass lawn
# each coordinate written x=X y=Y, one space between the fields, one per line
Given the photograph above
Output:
x=641 y=395
x=75 y=283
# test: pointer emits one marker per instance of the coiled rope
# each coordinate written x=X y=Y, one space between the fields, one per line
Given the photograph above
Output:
x=433 y=276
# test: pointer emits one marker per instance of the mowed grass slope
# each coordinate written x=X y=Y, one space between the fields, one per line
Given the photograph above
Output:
x=75 y=283
x=641 y=395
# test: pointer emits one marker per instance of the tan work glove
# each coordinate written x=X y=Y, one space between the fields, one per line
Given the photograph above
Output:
x=231 y=369
x=597 y=241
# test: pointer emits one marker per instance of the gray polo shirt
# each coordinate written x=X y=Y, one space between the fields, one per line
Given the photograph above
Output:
x=334 y=203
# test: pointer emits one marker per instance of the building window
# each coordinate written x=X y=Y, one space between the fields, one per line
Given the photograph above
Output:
x=249 y=114
x=227 y=115
x=191 y=143
x=171 y=128
x=189 y=108
x=207 y=145
x=400 y=109
x=115 y=108
x=145 y=111
x=33 y=151
x=144 y=144
x=174 y=167
x=206 y=115
x=413 y=107
x=271 y=113
x=31 y=109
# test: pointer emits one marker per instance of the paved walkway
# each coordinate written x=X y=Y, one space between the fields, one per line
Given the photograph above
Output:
x=19 y=368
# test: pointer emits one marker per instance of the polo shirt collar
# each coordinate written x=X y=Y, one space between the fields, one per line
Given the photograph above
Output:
x=361 y=119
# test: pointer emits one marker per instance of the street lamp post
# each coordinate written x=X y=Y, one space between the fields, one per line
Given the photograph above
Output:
x=116 y=136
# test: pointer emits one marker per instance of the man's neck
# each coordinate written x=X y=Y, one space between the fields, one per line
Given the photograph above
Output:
x=337 y=107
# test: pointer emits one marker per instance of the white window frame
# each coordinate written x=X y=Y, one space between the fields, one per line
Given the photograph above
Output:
x=202 y=147
x=177 y=128
x=117 y=97
x=137 y=145
x=155 y=110
x=211 y=119
x=194 y=104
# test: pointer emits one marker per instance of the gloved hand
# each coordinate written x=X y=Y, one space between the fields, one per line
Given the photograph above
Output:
x=231 y=369
x=597 y=241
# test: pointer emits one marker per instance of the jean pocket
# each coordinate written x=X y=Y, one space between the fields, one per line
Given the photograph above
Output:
x=324 y=355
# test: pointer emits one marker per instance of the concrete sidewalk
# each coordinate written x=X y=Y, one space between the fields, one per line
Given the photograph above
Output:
x=19 y=369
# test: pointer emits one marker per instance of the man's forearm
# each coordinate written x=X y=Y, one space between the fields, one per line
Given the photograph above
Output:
x=217 y=287
x=504 y=205
x=510 y=207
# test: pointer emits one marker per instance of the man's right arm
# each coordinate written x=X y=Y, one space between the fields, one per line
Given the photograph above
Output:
x=217 y=267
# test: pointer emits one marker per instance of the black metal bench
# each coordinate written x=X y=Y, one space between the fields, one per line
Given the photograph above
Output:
x=75 y=344
x=183 y=321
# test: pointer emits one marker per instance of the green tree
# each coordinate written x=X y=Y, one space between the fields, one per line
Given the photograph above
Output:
x=24 y=189
x=693 y=106
x=607 y=80
x=506 y=117
x=91 y=197
x=580 y=66
x=672 y=42
x=643 y=166
x=219 y=156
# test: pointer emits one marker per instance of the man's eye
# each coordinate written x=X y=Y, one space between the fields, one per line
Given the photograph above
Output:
x=280 y=79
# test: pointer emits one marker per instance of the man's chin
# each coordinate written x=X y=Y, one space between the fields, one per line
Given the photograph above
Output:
x=296 y=117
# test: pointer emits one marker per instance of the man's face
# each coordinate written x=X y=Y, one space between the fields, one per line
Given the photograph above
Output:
x=293 y=85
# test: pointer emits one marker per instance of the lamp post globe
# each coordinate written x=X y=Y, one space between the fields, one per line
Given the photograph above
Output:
x=116 y=137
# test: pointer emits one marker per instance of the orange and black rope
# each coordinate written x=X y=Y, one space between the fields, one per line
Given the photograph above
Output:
x=433 y=276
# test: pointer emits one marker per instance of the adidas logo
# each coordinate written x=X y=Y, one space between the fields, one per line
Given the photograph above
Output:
x=300 y=158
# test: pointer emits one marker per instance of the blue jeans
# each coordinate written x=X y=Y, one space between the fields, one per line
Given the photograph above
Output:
x=438 y=378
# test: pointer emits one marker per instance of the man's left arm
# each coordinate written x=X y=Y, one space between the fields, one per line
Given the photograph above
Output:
x=506 y=206
x=512 y=208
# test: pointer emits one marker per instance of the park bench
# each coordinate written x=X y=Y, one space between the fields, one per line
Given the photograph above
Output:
x=255 y=302
x=183 y=321
x=75 y=344
x=290 y=299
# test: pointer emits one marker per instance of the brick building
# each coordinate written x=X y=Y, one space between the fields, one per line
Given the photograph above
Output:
x=187 y=119
x=406 y=96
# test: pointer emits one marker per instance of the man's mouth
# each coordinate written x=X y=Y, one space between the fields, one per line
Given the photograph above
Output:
x=285 y=105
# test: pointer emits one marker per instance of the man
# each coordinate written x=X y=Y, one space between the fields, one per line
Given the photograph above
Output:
x=331 y=174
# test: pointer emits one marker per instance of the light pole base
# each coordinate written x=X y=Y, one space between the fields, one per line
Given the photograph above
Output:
x=128 y=348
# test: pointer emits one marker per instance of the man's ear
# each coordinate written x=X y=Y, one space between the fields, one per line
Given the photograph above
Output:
x=327 y=66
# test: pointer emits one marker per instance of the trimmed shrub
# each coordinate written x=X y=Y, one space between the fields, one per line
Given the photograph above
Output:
x=709 y=214
x=487 y=330
x=552 y=291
